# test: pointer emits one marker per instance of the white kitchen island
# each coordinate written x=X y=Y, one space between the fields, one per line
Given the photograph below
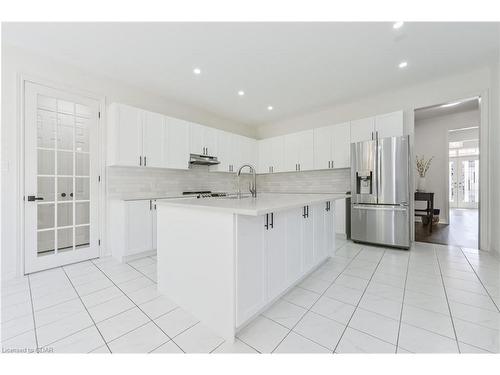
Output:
x=226 y=260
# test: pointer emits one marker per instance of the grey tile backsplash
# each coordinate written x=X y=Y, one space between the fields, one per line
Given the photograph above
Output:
x=133 y=182
x=323 y=181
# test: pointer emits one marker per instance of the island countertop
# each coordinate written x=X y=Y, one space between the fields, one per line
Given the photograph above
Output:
x=264 y=203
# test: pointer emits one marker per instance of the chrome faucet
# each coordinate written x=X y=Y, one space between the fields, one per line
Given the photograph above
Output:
x=252 y=186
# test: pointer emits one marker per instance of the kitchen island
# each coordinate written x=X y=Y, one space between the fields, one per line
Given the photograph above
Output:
x=225 y=260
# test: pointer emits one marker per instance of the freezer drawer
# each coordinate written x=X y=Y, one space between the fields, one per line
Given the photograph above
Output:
x=382 y=225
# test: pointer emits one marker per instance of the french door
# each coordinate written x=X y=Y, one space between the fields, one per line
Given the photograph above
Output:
x=464 y=182
x=61 y=178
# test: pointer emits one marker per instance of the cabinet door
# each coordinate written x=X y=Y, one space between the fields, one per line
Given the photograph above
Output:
x=210 y=140
x=264 y=147
x=154 y=229
x=340 y=216
x=291 y=152
x=251 y=275
x=196 y=144
x=176 y=146
x=306 y=150
x=318 y=214
x=275 y=254
x=248 y=152
x=293 y=245
x=153 y=140
x=139 y=227
x=362 y=130
x=129 y=129
x=277 y=154
x=307 y=242
x=323 y=147
x=329 y=230
x=225 y=152
x=236 y=151
x=341 y=145
x=390 y=125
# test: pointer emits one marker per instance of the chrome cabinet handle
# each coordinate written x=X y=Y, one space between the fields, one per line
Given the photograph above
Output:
x=140 y=160
x=145 y=163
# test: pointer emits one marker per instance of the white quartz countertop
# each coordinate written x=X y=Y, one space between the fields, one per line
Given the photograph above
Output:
x=264 y=203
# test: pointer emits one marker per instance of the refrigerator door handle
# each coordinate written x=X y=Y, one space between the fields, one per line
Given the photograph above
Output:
x=379 y=208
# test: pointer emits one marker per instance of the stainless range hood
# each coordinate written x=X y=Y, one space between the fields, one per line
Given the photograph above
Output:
x=196 y=159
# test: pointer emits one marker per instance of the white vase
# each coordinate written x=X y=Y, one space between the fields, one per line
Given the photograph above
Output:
x=421 y=184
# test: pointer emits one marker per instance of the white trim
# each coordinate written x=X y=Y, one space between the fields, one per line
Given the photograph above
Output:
x=485 y=164
x=21 y=79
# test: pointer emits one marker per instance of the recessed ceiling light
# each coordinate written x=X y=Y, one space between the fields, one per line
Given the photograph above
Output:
x=197 y=71
x=403 y=64
x=450 y=104
x=241 y=93
x=270 y=108
x=397 y=25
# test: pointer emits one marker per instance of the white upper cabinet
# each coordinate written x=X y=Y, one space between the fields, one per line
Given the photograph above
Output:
x=124 y=135
x=203 y=140
x=227 y=152
x=292 y=145
x=323 y=147
x=234 y=150
x=299 y=151
x=332 y=146
x=271 y=155
x=264 y=155
x=341 y=145
x=381 y=126
x=176 y=143
x=152 y=140
x=389 y=125
x=362 y=130
x=249 y=151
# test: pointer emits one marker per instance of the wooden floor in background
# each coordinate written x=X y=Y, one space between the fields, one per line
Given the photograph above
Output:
x=463 y=230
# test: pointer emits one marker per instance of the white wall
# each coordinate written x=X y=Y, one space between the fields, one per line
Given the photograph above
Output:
x=15 y=62
x=431 y=139
x=495 y=136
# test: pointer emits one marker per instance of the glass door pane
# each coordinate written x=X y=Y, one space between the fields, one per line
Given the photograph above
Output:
x=63 y=175
x=452 y=181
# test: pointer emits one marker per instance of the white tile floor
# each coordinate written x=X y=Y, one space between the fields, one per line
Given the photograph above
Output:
x=365 y=299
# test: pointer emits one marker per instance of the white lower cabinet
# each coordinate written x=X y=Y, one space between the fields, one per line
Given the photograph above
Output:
x=340 y=217
x=131 y=228
x=307 y=242
x=276 y=250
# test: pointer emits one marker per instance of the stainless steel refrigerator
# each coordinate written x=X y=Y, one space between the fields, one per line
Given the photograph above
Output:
x=380 y=212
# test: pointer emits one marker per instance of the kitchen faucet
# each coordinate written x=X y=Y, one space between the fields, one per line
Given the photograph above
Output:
x=252 y=186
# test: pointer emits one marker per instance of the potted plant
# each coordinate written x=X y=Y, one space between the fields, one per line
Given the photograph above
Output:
x=422 y=168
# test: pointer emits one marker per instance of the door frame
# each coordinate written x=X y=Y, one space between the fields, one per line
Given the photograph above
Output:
x=485 y=165
x=22 y=78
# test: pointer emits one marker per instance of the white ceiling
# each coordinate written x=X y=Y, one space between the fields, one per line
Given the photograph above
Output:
x=464 y=105
x=295 y=67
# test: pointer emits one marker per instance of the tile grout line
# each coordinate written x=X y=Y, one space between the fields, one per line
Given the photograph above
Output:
x=85 y=307
x=321 y=295
x=403 y=301
x=33 y=313
x=447 y=301
x=136 y=305
x=357 y=305
x=143 y=274
x=481 y=281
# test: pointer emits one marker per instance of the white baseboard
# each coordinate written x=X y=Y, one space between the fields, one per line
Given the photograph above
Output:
x=128 y=258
